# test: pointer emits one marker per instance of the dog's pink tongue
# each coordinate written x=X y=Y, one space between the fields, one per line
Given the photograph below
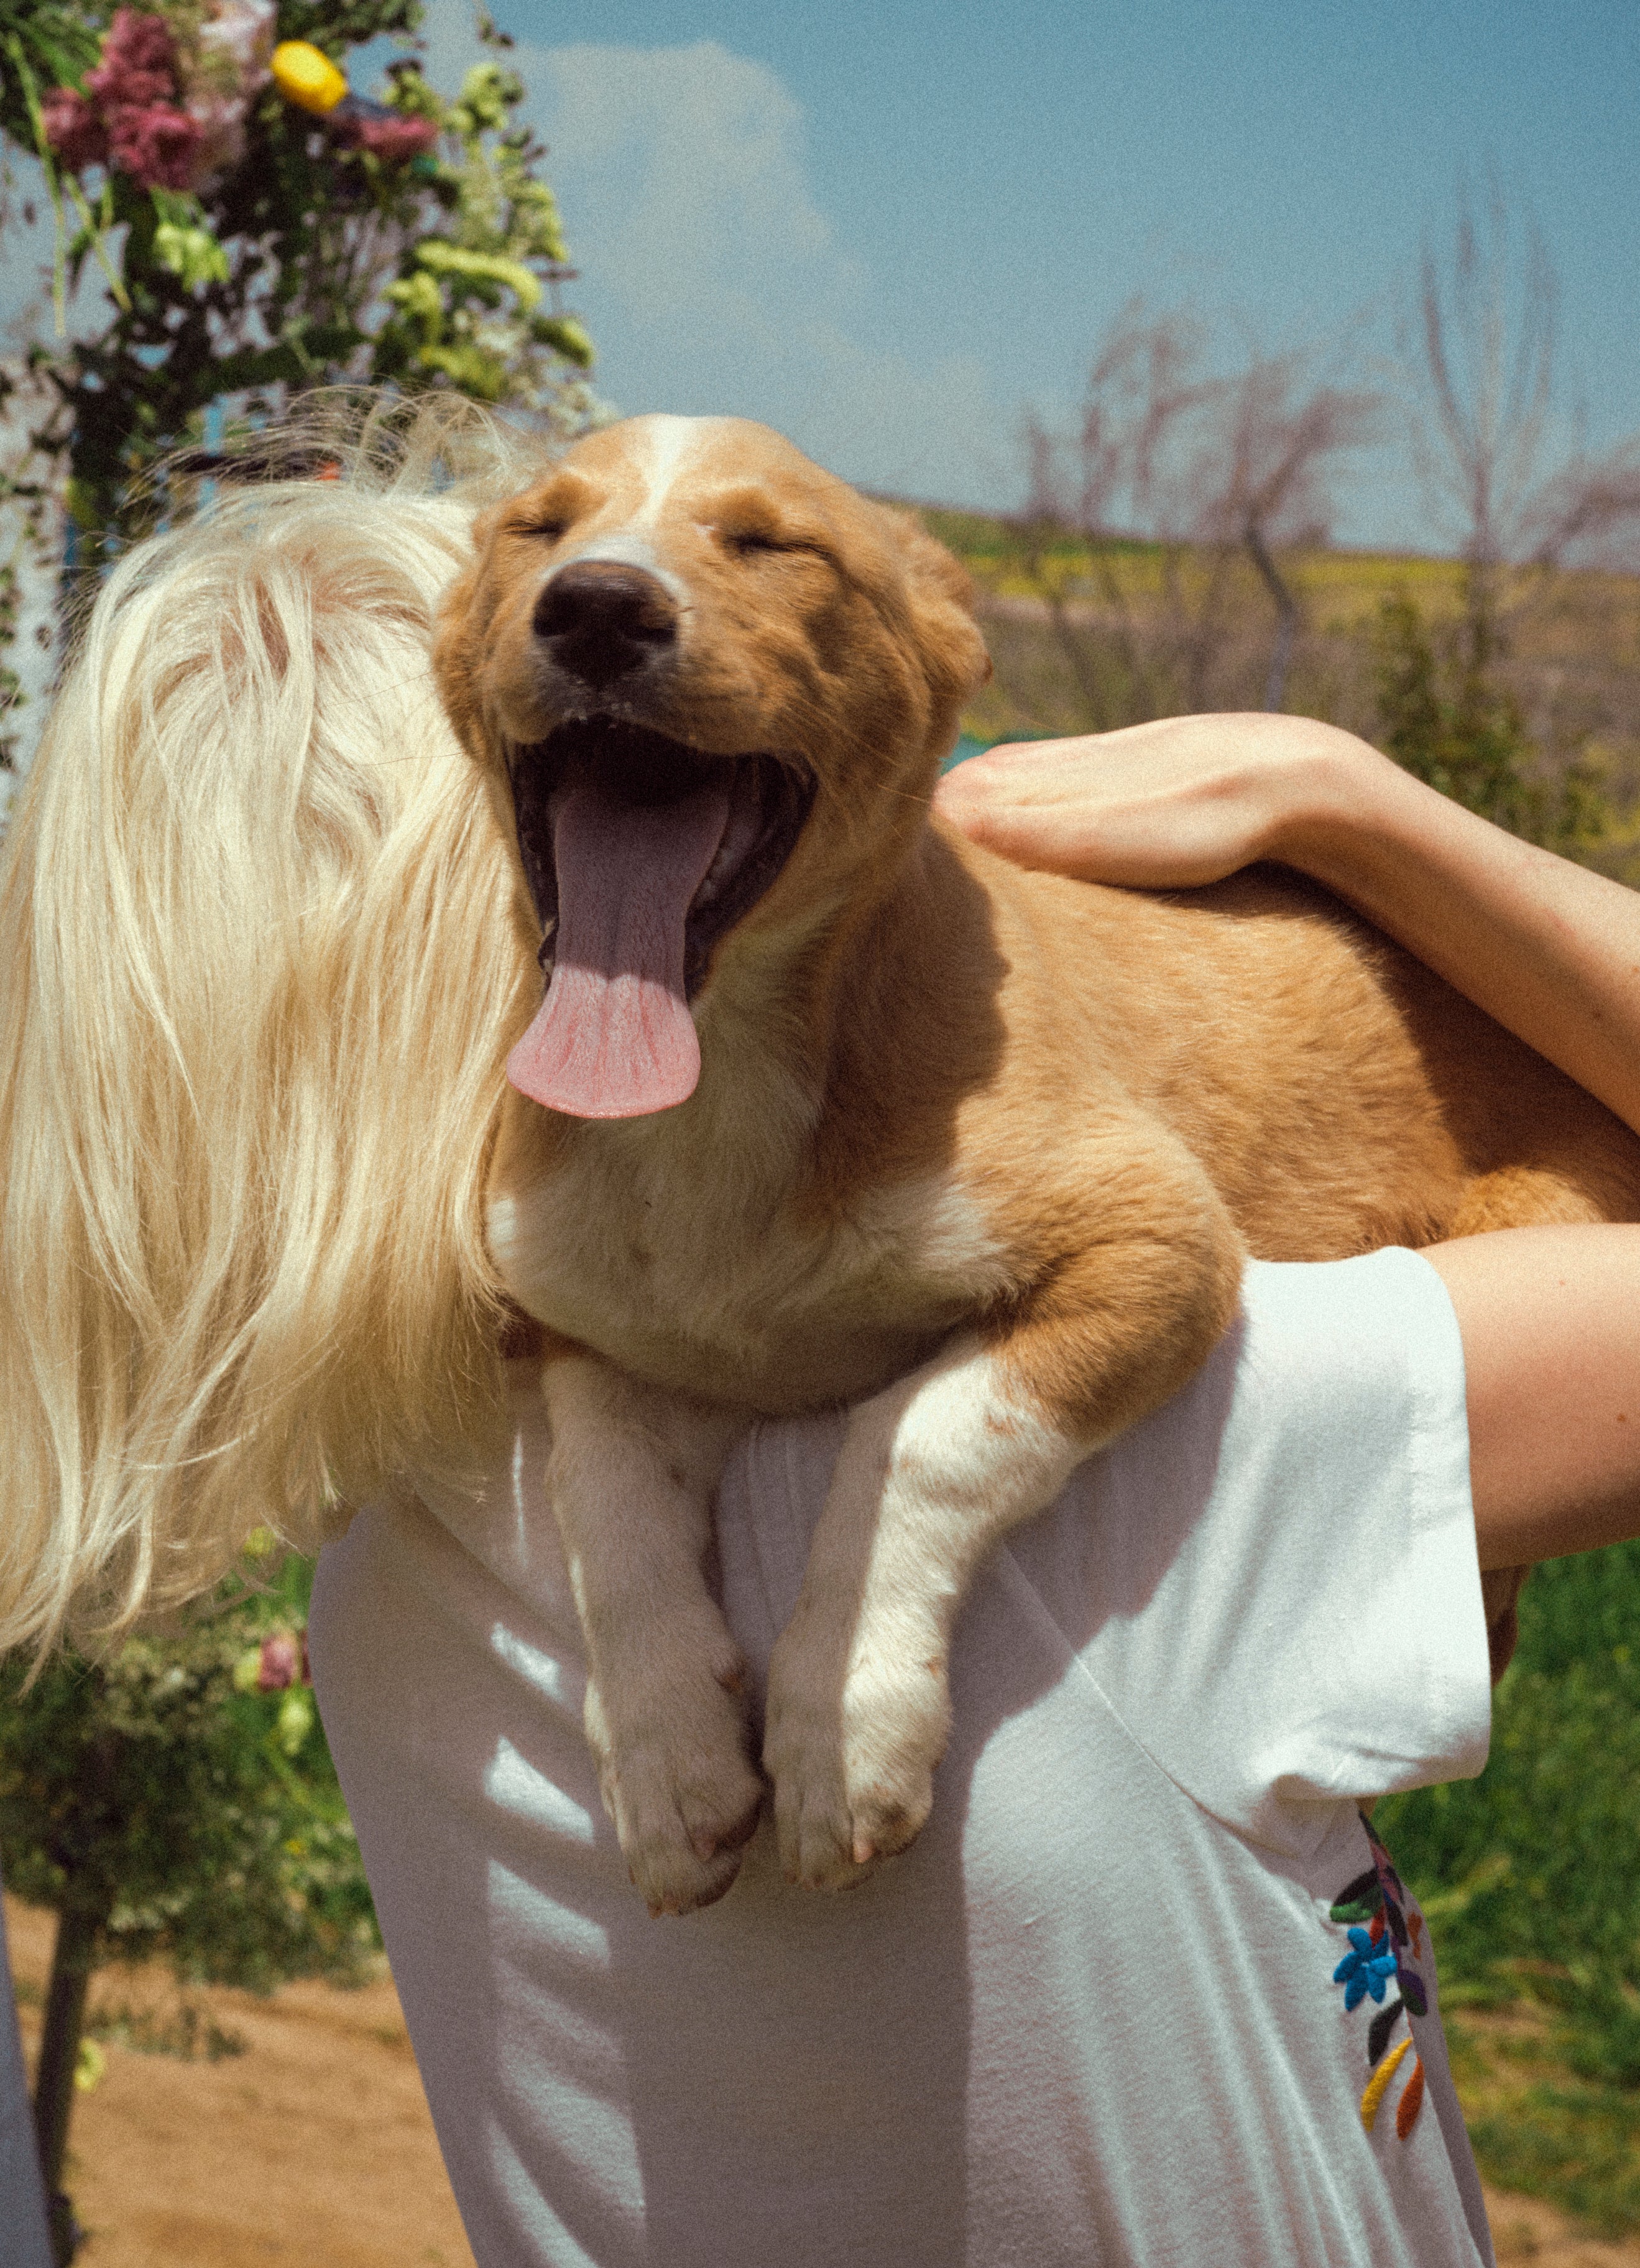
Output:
x=614 y=1038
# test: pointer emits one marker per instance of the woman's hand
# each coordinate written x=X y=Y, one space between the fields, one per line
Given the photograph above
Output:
x=1550 y=950
x=1163 y=806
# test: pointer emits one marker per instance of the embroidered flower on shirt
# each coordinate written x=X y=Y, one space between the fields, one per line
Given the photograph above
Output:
x=1367 y=1968
x=1385 y=1934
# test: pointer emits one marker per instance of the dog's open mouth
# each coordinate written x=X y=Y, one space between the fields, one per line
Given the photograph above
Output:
x=641 y=853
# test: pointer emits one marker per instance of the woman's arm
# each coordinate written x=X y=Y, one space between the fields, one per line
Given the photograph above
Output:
x=1550 y=1325
x=1551 y=950
x=1549 y=1317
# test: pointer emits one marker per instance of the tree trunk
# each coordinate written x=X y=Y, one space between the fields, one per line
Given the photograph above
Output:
x=1286 y=616
x=79 y=1928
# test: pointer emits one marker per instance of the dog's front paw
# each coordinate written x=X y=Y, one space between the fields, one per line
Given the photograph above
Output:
x=680 y=1787
x=852 y=1757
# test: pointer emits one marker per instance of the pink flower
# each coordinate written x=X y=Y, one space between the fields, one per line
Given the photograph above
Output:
x=138 y=66
x=74 y=129
x=157 y=145
x=387 y=134
x=281 y=1664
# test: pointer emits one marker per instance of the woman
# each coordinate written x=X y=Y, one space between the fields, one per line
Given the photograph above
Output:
x=1146 y=1990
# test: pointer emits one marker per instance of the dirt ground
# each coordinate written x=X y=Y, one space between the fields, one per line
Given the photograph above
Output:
x=313 y=2146
x=1522 y=2230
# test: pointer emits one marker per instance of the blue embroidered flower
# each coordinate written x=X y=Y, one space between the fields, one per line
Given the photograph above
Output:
x=1366 y=1968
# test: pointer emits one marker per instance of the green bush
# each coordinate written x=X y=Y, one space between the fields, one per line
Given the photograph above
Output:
x=1532 y=1871
x=177 y=1799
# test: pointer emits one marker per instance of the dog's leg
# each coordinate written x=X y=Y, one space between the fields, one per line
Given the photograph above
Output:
x=936 y=1468
x=631 y=1477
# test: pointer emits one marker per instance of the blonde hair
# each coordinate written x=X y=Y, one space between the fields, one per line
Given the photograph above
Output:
x=262 y=963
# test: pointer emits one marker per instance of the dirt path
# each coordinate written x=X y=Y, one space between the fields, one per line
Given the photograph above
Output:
x=313 y=2147
x=1522 y=2230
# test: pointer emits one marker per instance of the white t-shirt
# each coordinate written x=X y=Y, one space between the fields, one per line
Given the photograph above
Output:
x=1103 y=2011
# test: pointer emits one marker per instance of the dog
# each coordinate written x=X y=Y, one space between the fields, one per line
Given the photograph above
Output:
x=820 y=1103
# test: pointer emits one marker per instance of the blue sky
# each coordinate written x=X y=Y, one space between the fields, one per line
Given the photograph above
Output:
x=886 y=228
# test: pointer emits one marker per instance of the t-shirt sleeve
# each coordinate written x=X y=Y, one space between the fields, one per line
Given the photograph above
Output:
x=1274 y=1580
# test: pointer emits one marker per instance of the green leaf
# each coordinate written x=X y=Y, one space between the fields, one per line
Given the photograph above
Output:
x=563 y=333
x=486 y=267
x=192 y=255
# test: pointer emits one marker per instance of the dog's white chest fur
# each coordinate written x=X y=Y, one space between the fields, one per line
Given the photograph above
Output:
x=723 y=1284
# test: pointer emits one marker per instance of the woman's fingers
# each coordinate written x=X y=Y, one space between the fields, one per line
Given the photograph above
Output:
x=1165 y=805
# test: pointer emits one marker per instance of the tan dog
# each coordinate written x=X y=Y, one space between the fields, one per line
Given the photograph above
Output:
x=823 y=1103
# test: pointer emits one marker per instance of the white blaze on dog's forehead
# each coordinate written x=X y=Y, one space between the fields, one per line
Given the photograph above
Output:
x=667 y=446
x=659 y=450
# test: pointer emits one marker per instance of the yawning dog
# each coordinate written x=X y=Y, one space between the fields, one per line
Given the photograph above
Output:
x=821 y=1103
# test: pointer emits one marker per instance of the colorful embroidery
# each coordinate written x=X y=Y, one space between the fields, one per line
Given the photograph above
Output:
x=1367 y=1968
x=1406 y=1943
x=1385 y=1932
x=1381 y=2028
x=1411 y=2103
x=1377 y=2085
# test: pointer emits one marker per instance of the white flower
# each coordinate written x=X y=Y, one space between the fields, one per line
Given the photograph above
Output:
x=242 y=32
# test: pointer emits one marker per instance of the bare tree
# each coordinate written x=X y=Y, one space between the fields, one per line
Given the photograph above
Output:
x=1516 y=490
x=1513 y=489
x=1284 y=433
x=1180 y=479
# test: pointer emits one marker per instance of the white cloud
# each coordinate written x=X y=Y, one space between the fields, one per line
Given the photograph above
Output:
x=711 y=279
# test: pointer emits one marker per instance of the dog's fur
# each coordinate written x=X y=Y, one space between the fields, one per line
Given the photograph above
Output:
x=978 y=1150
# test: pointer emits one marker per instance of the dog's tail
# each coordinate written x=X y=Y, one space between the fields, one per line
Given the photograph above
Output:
x=261 y=968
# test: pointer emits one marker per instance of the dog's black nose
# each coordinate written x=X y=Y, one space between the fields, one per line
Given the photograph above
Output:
x=603 y=621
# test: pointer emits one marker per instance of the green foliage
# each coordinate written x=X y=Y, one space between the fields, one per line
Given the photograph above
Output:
x=175 y=1799
x=1446 y=716
x=468 y=305
x=1576 y=2145
x=201 y=1816
x=307 y=259
x=11 y=683
x=1531 y=1879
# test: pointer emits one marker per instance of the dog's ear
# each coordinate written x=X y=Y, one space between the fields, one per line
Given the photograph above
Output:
x=942 y=595
x=457 y=641
x=453 y=650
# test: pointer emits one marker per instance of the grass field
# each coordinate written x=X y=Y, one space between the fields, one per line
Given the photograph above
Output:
x=1339 y=589
x=1531 y=1880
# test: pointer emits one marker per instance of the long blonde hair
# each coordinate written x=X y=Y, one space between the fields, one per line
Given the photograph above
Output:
x=260 y=961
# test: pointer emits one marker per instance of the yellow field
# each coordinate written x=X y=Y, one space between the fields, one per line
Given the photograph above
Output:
x=1338 y=590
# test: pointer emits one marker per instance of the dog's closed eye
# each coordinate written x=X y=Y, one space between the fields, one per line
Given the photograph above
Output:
x=749 y=542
